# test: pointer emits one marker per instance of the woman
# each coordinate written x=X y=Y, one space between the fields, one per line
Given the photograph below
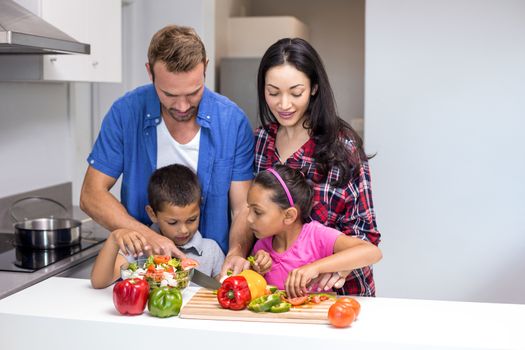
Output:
x=301 y=128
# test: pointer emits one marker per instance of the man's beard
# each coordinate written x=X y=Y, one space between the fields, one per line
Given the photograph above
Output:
x=192 y=112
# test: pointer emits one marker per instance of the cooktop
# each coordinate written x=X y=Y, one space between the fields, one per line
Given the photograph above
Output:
x=21 y=259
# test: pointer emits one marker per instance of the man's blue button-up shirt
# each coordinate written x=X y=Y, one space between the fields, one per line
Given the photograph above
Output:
x=127 y=146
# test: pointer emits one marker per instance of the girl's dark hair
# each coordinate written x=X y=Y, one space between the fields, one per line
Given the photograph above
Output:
x=175 y=185
x=322 y=121
x=301 y=192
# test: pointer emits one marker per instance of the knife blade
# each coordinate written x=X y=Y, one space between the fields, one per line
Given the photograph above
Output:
x=204 y=280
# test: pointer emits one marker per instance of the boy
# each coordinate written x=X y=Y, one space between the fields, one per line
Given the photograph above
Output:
x=174 y=208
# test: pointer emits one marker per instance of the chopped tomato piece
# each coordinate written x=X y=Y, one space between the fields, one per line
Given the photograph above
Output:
x=188 y=263
x=297 y=301
x=316 y=299
x=161 y=259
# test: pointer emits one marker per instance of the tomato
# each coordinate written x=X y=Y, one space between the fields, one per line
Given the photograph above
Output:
x=155 y=275
x=151 y=268
x=324 y=297
x=316 y=299
x=352 y=302
x=161 y=259
x=188 y=263
x=297 y=301
x=341 y=315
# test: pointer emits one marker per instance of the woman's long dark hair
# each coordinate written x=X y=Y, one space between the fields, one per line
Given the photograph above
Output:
x=322 y=121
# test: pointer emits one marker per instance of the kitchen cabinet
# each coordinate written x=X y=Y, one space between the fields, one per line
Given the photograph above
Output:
x=96 y=22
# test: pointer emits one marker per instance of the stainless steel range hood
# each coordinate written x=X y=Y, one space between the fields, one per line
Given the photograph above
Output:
x=22 y=32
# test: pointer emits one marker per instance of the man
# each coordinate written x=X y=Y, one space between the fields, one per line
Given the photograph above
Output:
x=176 y=119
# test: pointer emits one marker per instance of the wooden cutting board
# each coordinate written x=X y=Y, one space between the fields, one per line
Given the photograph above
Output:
x=204 y=305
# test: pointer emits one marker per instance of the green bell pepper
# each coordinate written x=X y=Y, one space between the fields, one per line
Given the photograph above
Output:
x=264 y=303
x=281 y=307
x=165 y=302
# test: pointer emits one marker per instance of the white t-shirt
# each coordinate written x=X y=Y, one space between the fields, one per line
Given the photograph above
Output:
x=169 y=151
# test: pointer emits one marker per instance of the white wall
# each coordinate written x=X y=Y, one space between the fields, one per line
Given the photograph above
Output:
x=225 y=10
x=445 y=112
x=35 y=139
x=336 y=31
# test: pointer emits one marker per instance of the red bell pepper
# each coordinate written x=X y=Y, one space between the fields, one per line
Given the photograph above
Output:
x=130 y=296
x=234 y=293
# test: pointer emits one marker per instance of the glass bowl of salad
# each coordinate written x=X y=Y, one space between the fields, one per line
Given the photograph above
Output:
x=160 y=270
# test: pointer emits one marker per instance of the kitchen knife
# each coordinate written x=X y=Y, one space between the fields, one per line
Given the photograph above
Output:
x=204 y=280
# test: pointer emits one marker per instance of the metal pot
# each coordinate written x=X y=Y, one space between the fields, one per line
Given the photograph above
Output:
x=47 y=233
x=44 y=232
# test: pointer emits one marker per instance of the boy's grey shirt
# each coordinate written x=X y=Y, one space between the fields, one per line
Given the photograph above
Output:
x=206 y=251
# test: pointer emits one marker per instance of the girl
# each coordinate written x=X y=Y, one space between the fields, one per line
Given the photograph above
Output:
x=301 y=128
x=290 y=252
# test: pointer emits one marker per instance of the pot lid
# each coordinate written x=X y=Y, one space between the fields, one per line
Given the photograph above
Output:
x=36 y=207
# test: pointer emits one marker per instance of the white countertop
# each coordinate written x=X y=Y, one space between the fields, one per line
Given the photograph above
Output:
x=63 y=313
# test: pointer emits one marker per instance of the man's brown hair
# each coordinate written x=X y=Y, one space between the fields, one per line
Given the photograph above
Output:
x=179 y=47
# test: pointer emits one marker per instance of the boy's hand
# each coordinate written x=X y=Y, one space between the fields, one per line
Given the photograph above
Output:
x=130 y=242
x=163 y=245
x=262 y=262
x=298 y=280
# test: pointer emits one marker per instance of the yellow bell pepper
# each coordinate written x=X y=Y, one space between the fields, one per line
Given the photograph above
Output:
x=256 y=283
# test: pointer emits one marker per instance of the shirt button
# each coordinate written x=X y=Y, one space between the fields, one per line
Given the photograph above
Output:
x=207 y=117
x=157 y=120
x=148 y=115
x=147 y=133
x=92 y=161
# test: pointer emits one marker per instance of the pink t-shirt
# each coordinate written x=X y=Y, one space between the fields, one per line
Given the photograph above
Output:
x=315 y=242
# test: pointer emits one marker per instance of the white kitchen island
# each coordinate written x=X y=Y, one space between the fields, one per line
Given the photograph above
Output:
x=66 y=313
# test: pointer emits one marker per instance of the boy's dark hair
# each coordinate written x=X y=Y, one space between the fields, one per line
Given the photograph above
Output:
x=173 y=184
x=300 y=189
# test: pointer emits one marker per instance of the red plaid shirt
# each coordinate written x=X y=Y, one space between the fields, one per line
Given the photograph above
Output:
x=348 y=209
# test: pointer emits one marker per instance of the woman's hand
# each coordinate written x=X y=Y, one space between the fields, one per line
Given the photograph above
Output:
x=130 y=242
x=298 y=280
x=327 y=281
x=263 y=262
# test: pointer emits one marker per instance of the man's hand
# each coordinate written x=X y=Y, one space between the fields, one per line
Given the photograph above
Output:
x=327 y=281
x=234 y=263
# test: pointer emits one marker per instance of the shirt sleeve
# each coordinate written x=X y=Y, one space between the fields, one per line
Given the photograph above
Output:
x=243 y=162
x=107 y=155
x=359 y=219
x=323 y=239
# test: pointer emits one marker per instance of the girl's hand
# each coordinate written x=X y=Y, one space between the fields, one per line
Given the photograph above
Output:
x=298 y=280
x=263 y=262
x=130 y=242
